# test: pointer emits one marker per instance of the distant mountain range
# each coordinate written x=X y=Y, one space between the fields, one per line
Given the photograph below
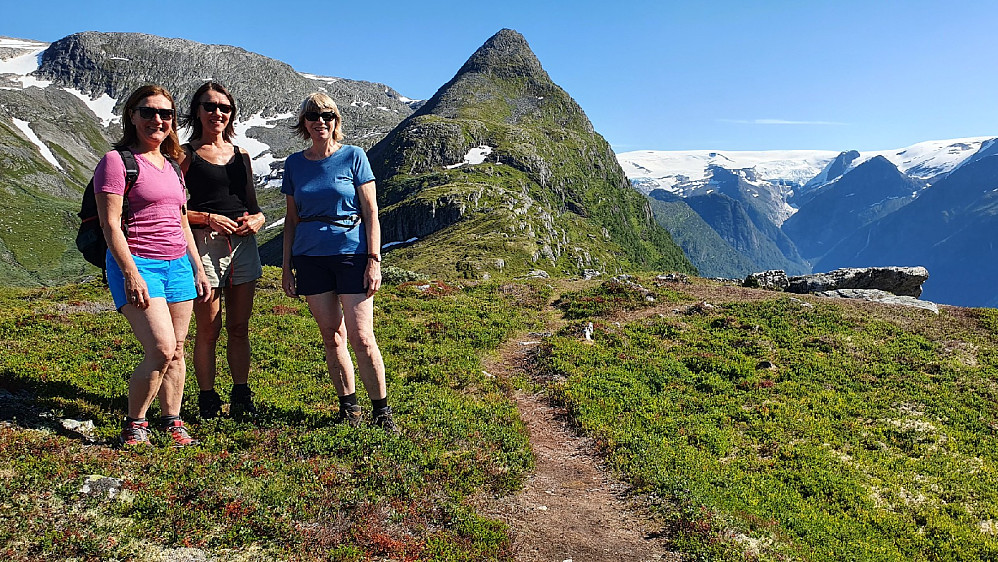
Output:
x=928 y=204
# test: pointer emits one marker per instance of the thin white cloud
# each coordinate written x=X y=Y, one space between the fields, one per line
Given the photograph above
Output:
x=778 y=122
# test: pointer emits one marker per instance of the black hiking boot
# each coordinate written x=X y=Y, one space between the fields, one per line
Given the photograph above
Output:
x=350 y=415
x=383 y=419
x=209 y=404
x=241 y=401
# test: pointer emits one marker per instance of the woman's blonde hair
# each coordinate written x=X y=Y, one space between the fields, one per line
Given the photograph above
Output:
x=319 y=102
x=130 y=136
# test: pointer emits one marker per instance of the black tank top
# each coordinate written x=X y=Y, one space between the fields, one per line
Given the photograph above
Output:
x=219 y=189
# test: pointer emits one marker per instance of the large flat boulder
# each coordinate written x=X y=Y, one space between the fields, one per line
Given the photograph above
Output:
x=901 y=281
x=876 y=295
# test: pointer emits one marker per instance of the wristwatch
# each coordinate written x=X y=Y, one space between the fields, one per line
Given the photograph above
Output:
x=375 y=257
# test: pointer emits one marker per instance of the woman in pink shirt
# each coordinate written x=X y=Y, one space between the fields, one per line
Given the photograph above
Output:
x=153 y=269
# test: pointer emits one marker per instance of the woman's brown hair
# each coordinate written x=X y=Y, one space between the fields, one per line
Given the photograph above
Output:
x=130 y=137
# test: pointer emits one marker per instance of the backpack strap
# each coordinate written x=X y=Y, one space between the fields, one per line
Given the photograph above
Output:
x=131 y=176
x=131 y=168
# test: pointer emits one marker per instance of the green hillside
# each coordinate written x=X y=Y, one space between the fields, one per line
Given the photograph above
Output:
x=704 y=247
x=548 y=193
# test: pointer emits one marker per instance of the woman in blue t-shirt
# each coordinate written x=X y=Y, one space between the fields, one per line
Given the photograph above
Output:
x=332 y=253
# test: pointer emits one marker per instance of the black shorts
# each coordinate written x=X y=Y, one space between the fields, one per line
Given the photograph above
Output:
x=343 y=274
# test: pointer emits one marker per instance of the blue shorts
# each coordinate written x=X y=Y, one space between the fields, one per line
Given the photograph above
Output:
x=169 y=279
x=342 y=274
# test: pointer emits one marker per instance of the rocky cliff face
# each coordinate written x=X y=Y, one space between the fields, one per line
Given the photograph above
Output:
x=116 y=63
x=502 y=171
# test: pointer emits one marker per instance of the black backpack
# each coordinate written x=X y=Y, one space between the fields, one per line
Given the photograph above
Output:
x=90 y=237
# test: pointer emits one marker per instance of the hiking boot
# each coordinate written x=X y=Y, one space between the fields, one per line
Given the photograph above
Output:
x=134 y=433
x=383 y=419
x=178 y=433
x=241 y=401
x=351 y=415
x=209 y=404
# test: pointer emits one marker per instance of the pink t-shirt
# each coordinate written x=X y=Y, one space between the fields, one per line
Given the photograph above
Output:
x=154 y=205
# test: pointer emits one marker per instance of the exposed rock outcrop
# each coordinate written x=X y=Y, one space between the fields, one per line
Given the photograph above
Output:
x=774 y=279
x=876 y=295
x=901 y=281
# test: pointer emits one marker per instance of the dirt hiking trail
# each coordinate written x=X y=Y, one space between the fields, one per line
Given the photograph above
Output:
x=571 y=507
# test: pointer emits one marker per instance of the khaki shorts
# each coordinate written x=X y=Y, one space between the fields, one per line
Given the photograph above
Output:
x=228 y=260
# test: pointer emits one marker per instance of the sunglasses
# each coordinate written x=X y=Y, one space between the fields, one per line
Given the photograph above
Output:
x=327 y=116
x=210 y=106
x=150 y=112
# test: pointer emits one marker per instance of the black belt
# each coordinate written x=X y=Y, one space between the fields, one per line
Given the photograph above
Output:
x=348 y=222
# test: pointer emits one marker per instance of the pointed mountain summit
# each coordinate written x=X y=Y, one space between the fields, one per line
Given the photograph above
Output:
x=502 y=172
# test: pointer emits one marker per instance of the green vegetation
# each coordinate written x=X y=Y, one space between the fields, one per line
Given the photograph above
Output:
x=769 y=429
x=290 y=484
x=788 y=430
x=38 y=225
x=712 y=256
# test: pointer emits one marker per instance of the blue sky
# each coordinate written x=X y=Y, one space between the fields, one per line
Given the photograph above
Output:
x=661 y=75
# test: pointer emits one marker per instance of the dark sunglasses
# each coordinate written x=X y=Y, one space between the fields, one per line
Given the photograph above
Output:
x=210 y=106
x=150 y=112
x=327 y=116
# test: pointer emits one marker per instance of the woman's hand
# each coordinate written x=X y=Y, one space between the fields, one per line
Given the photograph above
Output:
x=136 y=290
x=222 y=223
x=372 y=277
x=203 y=286
x=288 y=283
x=249 y=224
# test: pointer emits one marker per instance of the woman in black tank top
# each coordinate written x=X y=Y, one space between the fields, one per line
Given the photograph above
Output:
x=225 y=217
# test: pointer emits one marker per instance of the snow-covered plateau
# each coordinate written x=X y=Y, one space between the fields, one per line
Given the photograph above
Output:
x=684 y=171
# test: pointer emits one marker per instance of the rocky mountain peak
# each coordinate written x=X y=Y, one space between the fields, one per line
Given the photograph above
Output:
x=503 y=81
x=507 y=55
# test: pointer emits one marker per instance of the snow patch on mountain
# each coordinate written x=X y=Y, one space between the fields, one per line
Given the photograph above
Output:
x=259 y=152
x=25 y=128
x=326 y=79
x=474 y=156
x=103 y=107
x=21 y=66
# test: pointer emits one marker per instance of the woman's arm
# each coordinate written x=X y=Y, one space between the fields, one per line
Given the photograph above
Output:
x=290 y=225
x=109 y=207
x=250 y=224
x=201 y=282
x=368 y=201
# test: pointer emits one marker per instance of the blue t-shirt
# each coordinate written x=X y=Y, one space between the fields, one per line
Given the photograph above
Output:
x=327 y=188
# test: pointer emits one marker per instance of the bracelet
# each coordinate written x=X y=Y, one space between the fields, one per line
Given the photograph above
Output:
x=375 y=257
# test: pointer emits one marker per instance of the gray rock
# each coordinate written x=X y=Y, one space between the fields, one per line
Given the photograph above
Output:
x=774 y=279
x=97 y=485
x=672 y=278
x=84 y=429
x=902 y=281
x=876 y=295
